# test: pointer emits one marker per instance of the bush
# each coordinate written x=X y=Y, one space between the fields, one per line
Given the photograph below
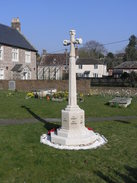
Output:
x=61 y=94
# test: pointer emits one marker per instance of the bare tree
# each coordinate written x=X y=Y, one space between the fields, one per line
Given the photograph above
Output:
x=92 y=49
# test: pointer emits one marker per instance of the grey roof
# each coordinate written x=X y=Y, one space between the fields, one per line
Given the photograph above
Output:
x=89 y=61
x=127 y=65
x=53 y=59
x=17 y=68
x=60 y=59
x=12 y=37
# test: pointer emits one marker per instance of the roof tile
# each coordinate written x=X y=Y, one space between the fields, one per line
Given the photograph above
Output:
x=12 y=37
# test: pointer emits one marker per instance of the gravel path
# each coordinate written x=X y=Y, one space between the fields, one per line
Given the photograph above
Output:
x=50 y=120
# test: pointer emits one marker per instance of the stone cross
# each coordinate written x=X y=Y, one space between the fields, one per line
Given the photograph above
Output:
x=73 y=131
x=72 y=102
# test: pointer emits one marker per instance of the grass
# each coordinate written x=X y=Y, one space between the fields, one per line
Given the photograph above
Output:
x=16 y=106
x=24 y=159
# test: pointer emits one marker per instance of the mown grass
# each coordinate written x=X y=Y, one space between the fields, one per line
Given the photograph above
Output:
x=16 y=106
x=24 y=159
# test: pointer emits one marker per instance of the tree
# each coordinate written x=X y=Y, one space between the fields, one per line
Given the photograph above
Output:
x=133 y=78
x=110 y=55
x=113 y=60
x=125 y=76
x=131 y=49
x=92 y=49
x=109 y=60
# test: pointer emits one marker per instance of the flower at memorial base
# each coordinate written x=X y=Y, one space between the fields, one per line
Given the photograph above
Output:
x=29 y=95
x=90 y=128
x=81 y=95
x=52 y=130
x=48 y=97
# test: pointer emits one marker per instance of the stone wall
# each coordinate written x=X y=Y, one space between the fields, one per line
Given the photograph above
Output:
x=117 y=91
x=83 y=86
x=3 y=85
x=110 y=82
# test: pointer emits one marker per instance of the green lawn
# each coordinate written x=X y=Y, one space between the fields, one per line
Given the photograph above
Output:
x=24 y=159
x=16 y=106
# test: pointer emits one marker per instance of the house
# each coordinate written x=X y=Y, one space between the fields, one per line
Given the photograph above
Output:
x=127 y=67
x=91 y=68
x=55 y=66
x=17 y=55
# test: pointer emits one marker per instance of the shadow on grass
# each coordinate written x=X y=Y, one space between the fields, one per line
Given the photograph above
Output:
x=129 y=177
x=122 y=121
x=47 y=125
x=104 y=177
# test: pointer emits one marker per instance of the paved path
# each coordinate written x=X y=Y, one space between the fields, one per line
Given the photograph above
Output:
x=50 y=120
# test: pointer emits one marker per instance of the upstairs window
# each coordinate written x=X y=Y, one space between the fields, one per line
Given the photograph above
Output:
x=1 y=52
x=27 y=56
x=95 y=66
x=80 y=67
x=15 y=55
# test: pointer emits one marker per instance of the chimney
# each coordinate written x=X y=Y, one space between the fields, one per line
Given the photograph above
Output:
x=15 y=24
x=44 y=52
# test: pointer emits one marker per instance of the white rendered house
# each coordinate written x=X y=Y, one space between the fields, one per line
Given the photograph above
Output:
x=91 y=68
x=54 y=66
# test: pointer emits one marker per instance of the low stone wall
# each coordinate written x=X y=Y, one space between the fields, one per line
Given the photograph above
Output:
x=111 y=82
x=83 y=86
x=116 y=91
x=4 y=85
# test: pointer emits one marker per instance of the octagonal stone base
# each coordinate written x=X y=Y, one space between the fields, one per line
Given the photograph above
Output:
x=73 y=130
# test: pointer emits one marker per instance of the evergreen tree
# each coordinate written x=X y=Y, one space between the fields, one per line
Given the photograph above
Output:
x=131 y=49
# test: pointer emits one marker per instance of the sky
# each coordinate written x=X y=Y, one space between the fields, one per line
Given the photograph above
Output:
x=46 y=23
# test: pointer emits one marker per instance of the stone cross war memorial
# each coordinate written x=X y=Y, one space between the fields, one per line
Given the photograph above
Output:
x=73 y=134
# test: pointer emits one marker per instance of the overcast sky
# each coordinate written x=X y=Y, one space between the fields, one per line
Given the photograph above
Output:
x=46 y=23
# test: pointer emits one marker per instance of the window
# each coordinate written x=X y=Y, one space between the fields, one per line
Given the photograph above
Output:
x=27 y=56
x=95 y=75
x=15 y=55
x=1 y=73
x=95 y=66
x=80 y=66
x=1 y=52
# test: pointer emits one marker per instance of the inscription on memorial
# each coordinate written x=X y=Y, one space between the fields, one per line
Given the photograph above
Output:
x=73 y=120
x=65 y=120
x=73 y=123
x=81 y=119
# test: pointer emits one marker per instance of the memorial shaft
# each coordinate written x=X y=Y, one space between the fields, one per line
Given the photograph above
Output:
x=72 y=72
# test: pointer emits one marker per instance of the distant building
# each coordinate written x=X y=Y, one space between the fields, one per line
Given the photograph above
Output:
x=127 y=67
x=55 y=66
x=17 y=55
x=91 y=68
